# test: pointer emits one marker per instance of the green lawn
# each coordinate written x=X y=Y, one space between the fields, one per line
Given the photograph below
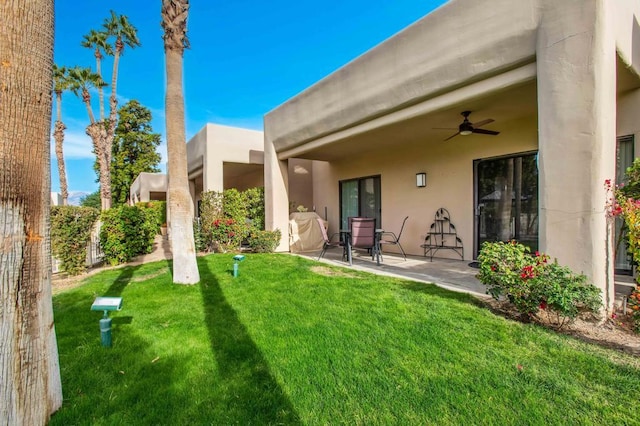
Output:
x=292 y=341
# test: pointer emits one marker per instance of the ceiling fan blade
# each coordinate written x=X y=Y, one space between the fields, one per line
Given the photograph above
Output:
x=483 y=122
x=444 y=128
x=452 y=136
x=486 y=132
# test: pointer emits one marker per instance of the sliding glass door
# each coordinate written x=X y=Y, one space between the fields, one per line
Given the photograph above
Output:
x=360 y=197
x=506 y=200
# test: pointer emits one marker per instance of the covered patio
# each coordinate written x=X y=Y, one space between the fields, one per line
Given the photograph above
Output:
x=554 y=84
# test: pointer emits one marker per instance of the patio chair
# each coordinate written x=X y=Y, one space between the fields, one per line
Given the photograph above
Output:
x=393 y=239
x=363 y=233
x=328 y=241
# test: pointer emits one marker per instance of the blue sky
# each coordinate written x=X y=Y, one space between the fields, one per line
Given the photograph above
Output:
x=246 y=58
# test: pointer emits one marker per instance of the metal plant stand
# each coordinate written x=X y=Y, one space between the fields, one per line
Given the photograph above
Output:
x=442 y=235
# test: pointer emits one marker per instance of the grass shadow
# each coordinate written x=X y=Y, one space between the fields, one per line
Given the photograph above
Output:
x=434 y=290
x=120 y=283
x=253 y=396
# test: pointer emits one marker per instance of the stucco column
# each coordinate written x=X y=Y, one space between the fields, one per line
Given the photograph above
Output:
x=276 y=198
x=576 y=65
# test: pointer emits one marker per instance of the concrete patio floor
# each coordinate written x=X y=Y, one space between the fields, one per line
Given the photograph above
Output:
x=455 y=275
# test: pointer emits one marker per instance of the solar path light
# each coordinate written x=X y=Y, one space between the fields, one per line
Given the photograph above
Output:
x=237 y=259
x=106 y=304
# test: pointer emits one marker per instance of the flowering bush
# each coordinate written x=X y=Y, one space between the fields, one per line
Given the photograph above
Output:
x=245 y=209
x=619 y=203
x=533 y=284
x=634 y=305
x=227 y=234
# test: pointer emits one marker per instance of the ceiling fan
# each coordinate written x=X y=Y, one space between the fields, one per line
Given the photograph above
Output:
x=467 y=127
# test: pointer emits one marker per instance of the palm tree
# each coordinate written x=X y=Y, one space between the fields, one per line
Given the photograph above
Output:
x=98 y=40
x=119 y=27
x=60 y=84
x=81 y=81
x=30 y=388
x=174 y=23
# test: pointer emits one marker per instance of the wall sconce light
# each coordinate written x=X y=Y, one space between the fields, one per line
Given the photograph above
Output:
x=421 y=180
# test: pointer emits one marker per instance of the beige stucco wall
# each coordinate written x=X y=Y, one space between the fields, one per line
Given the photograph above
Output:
x=449 y=168
x=145 y=184
x=300 y=183
x=221 y=157
x=214 y=145
x=628 y=119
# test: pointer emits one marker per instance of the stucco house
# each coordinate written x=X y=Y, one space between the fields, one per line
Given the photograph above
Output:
x=223 y=157
x=148 y=187
x=553 y=93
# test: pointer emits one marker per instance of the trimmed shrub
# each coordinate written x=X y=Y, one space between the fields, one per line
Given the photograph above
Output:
x=126 y=232
x=264 y=241
x=159 y=209
x=533 y=284
x=71 y=228
x=254 y=199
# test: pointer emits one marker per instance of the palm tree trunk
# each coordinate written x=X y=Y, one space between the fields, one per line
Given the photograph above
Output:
x=114 y=76
x=59 y=106
x=100 y=88
x=58 y=135
x=98 y=134
x=30 y=388
x=87 y=103
x=185 y=268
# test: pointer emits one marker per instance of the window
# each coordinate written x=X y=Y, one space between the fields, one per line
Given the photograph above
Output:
x=624 y=159
x=360 y=197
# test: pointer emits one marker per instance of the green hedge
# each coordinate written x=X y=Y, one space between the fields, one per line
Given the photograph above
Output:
x=159 y=209
x=70 y=234
x=126 y=232
x=264 y=241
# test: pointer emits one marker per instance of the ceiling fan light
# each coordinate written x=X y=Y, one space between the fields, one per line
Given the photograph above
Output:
x=465 y=132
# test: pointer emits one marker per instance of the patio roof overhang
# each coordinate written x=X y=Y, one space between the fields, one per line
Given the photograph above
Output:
x=463 y=56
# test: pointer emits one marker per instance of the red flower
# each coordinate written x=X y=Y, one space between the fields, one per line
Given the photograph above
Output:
x=493 y=268
x=527 y=272
x=543 y=305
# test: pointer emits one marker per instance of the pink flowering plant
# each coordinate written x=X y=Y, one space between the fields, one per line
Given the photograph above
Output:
x=624 y=202
x=534 y=285
x=227 y=234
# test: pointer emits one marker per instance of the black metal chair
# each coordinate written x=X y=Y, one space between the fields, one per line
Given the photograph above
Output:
x=393 y=239
x=328 y=241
